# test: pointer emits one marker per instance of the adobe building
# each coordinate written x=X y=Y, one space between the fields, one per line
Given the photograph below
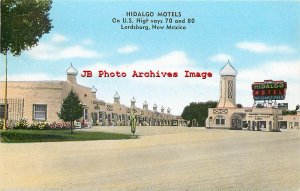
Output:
x=40 y=101
x=228 y=116
x=289 y=121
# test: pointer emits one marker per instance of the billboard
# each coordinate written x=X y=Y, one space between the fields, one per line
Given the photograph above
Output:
x=269 y=90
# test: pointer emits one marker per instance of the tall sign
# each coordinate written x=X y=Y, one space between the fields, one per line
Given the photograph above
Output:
x=269 y=90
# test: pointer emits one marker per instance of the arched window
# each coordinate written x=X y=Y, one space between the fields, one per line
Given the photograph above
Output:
x=220 y=120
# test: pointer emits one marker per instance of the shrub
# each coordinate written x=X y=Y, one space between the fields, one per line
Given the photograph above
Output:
x=22 y=123
x=32 y=126
x=52 y=125
x=1 y=124
x=56 y=125
x=42 y=125
x=39 y=125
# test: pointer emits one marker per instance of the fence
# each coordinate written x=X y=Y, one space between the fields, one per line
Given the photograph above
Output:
x=15 y=108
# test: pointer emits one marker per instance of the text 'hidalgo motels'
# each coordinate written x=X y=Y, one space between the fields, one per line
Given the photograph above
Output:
x=148 y=74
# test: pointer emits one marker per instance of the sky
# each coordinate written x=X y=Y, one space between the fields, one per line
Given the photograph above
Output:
x=261 y=40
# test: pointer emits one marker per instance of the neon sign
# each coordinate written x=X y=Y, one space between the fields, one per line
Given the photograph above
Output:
x=269 y=90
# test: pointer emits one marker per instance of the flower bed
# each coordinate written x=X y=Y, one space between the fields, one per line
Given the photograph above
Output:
x=23 y=124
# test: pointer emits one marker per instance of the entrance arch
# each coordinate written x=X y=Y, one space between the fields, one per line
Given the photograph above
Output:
x=236 y=121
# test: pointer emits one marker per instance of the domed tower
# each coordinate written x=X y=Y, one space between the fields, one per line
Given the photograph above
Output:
x=154 y=107
x=133 y=102
x=162 y=109
x=94 y=91
x=71 y=74
x=168 y=110
x=116 y=98
x=227 y=86
x=145 y=105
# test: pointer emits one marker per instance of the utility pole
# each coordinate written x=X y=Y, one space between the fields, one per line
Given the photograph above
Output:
x=5 y=94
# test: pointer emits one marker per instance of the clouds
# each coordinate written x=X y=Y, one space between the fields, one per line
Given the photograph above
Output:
x=259 y=47
x=274 y=70
x=33 y=77
x=223 y=58
x=254 y=47
x=175 y=61
x=171 y=62
x=55 y=49
x=87 y=42
x=173 y=92
x=57 y=38
x=128 y=49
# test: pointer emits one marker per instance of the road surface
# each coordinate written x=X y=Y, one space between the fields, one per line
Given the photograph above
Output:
x=163 y=158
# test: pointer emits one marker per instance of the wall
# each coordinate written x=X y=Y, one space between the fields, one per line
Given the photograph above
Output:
x=47 y=92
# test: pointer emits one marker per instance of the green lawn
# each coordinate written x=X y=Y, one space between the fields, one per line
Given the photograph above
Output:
x=25 y=136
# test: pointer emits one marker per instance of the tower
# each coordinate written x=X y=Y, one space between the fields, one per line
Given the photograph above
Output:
x=162 y=109
x=169 y=110
x=94 y=91
x=145 y=105
x=71 y=74
x=227 y=86
x=133 y=102
x=116 y=98
x=154 y=107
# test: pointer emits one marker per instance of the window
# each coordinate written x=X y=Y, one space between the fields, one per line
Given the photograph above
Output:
x=85 y=114
x=220 y=120
x=100 y=116
x=40 y=112
x=230 y=88
x=2 y=108
x=296 y=124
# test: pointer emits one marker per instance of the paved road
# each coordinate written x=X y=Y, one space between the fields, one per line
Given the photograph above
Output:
x=166 y=159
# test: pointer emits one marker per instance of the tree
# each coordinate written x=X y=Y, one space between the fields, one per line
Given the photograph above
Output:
x=198 y=111
x=291 y=112
x=71 y=108
x=297 y=107
x=23 y=23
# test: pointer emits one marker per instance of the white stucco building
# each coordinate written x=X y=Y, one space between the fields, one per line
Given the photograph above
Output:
x=228 y=116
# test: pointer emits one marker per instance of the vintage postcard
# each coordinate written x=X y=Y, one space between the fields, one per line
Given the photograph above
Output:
x=149 y=95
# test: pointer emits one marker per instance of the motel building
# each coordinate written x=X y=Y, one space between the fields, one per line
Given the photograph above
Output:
x=228 y=116
x=40 y=101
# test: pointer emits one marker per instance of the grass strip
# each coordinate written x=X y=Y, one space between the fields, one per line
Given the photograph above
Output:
x=27 y=136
